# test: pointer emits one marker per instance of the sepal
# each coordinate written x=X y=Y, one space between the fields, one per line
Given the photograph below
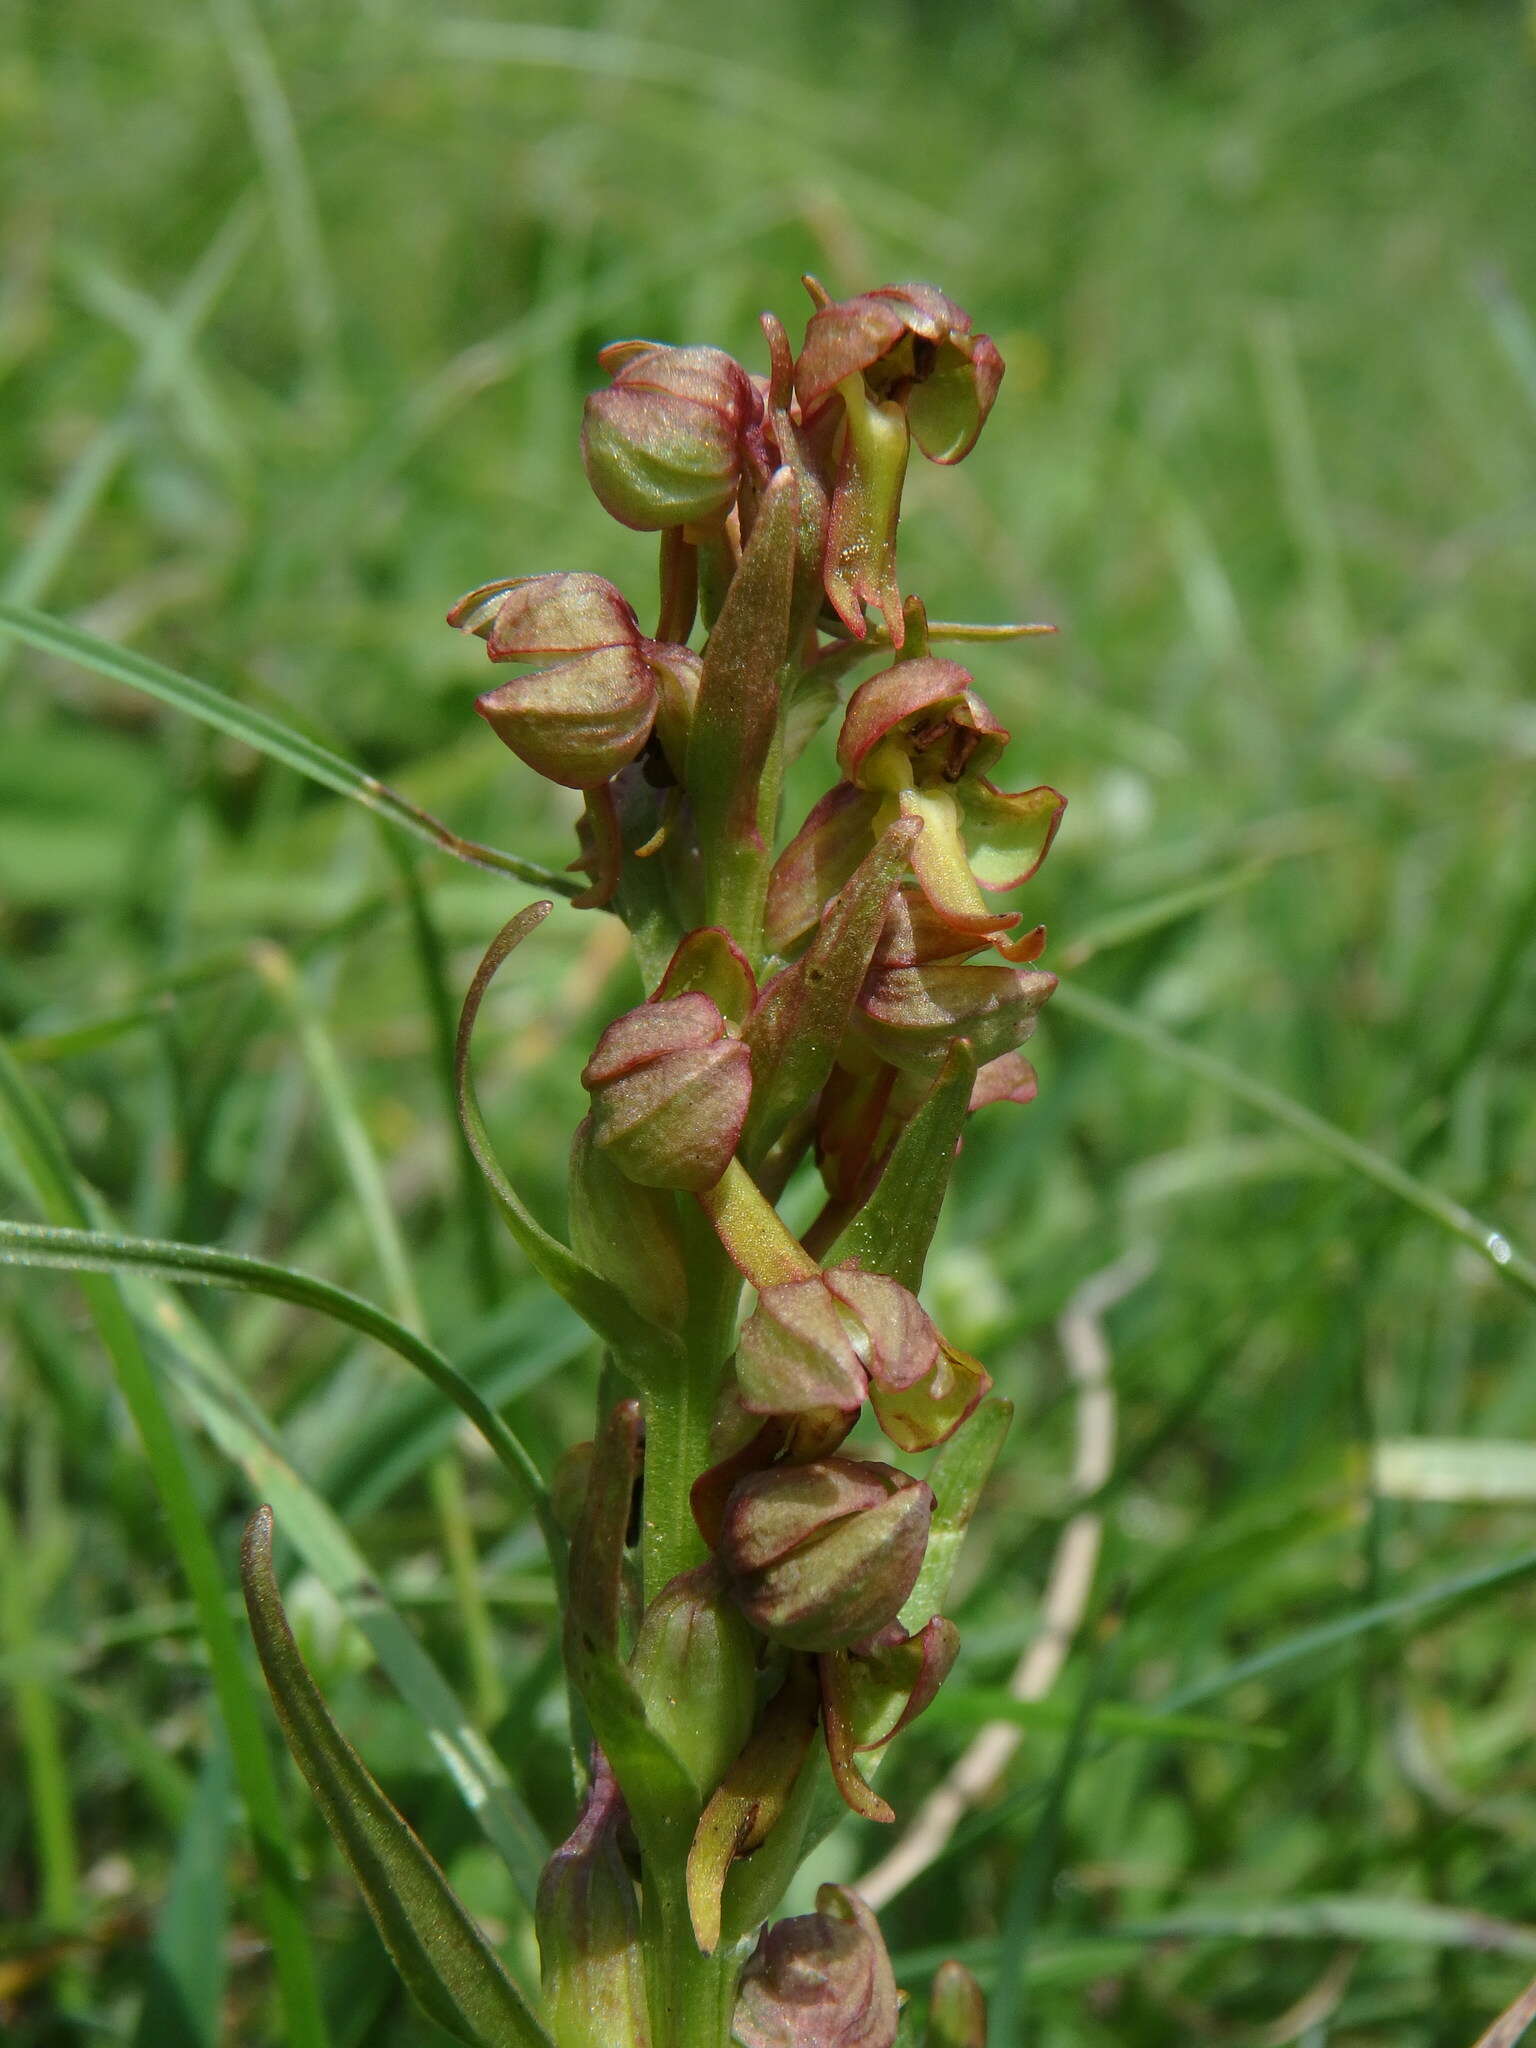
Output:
x=870 y=1693
x=670 y=1090
x=694 y=1667
x=753 y=1798
x=663 y=445
x=821 y=1555
x=820 y=1980
x=588 y=1918
x=629 y=1233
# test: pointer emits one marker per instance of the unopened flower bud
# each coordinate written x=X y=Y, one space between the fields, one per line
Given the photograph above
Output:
x=957 y=2018
x=670 y=1091
x=580 y=718
x=663 y=445
x=589 y=1930
x=694 y=1668
x=821 y=1555
x=821 y=1980
x=818 y=1343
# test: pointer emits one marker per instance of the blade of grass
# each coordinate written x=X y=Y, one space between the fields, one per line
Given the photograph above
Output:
x=1029 y=1890
x=360 y=1163
x=95 y=1251
x=977 y=1705
x=48 y=1169
x=1511 y=1265
x=281 y=156
x=268 y=736
x=1453 y=1469
x=187 y=1960
x=1358 y=1917
x=243 y=1434
x=442 y=1013
x=1328 y=1635
x=48 y=1802
x=53 y=539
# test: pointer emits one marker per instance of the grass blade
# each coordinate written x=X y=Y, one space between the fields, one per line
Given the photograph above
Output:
x=49 y=1171
x=268 y=736
x=97 y=1251
x=188 y=1957
x=1511 y=1265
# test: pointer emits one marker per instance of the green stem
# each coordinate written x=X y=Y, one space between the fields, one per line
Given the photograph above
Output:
x=679 y=1411
x=691 y=1995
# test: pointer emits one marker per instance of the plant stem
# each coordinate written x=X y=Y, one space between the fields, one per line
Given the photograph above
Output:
x=691 y=1995
x=678 y=1416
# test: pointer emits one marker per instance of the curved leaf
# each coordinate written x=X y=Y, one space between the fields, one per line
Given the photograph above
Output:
x=267 y=735
x=98 y=1251
x=594 y=1299
x=443 y=1959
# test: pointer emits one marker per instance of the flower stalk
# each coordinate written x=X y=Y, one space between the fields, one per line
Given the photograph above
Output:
x=753 y=1606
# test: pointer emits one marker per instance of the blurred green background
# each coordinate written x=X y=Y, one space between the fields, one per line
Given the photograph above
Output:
x=299 y=306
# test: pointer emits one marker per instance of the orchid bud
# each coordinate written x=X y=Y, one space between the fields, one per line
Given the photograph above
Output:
x=589 y=1929
x=694 y=1666
x=821 y=1555
x=663 y=445
x=818 y=1343
x=670 y=1091
x=957 y=2017
x=582 y=717
x=821 y=1980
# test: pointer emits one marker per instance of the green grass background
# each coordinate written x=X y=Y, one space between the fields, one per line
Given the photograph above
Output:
x=298 y=308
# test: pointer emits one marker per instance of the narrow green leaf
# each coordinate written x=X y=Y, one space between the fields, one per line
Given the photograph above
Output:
x=48 y=1172
x=188 y=1958
x=94 y=1251
x=957 y=1475
x=975 y=1706
x=444 y=1960
x=218 y=1398
x=1510 y=1264
x=268 y=736
x=892 y=1232
x=1352 y=1917
x=52 y=540
x=594 y=1299
x=239 y=1429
